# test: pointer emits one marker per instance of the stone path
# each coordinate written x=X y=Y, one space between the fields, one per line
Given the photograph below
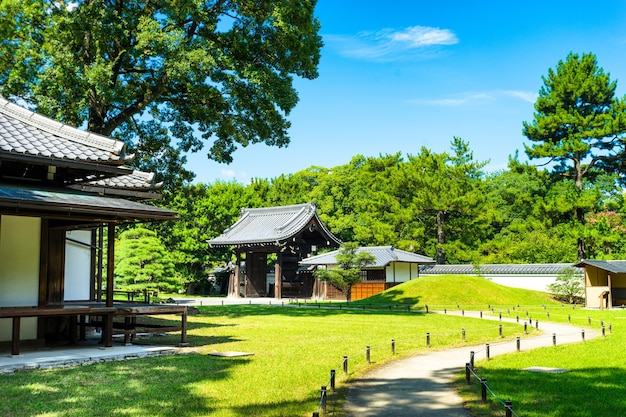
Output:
x=422 y=385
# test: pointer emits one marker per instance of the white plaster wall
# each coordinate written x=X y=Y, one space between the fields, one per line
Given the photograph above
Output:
x=529 y=282
x=19 y=270
x=77 y=265
x=401 y=272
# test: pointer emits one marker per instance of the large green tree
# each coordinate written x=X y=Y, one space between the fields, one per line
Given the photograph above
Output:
x=142 y=262
x=163 y=75
x=578 y=124
x=445 y=197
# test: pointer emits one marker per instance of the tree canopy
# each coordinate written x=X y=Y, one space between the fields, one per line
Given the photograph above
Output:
x=579 y=124
x=165 y=76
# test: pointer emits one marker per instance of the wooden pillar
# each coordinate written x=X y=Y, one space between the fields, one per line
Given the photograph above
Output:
x=234 y=279
x=100 y=255
x=110 y=263
x=278 y=272
x=609 y=299
x=108 y=325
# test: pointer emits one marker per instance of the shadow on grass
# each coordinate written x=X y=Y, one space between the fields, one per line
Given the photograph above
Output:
x=165 y=386
x=597 y=392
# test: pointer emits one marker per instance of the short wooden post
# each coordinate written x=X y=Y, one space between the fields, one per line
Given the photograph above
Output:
x=393 y=347
x=427 y=308
x=427 y=340
x=445 y=311
x=517 y=341
x=569 y=318
x=517 y=318
x=554 y=339
x=323 y=399
x=500 y=314
x=481 y=314
x=367 y=355
x=537 y=324
x=15 y=336
x=463 y=335
x=316 y=414
x=487 y=350
x=548 y=316
x=463 y=312
x=500 y=330
x=610 y=328
x=508 y=405
x=345 y=365
x=589 y=320
x=525 y=328
x=332 y=380
x=467 y=373
x=472 y=359
x=483 y=389
x=603 y=334
x=582 y=332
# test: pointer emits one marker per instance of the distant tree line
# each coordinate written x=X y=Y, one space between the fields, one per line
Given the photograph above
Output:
x=445 y=205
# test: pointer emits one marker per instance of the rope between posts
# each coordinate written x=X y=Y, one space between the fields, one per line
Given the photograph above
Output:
x=493 y=394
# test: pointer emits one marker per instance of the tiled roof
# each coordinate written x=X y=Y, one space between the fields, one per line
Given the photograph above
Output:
x=270 y=225
x=28 y=199
x=25 y=132
x=498 y=269
x=134 y=181
x=616 y=267
x=383 y=255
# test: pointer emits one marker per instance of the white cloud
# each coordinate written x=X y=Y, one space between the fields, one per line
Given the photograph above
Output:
x=241 y=177
x=459 y=100
x=473 y=98
x=418 y=36
x=524 y=95
x=390 y=44
x=228 y=174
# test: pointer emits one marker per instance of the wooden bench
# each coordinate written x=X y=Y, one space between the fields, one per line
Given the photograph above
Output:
x=129 y=312
x=72 y=310
x=132 y=311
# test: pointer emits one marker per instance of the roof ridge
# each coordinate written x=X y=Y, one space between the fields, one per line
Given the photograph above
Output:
x=294 y=217
x=65 y=131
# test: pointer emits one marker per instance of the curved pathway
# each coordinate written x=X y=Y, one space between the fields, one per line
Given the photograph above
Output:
x=422 y=385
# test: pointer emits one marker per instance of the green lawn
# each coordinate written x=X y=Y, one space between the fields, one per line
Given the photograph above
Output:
x=296 y=347
x=593 y=386
x=294 y=351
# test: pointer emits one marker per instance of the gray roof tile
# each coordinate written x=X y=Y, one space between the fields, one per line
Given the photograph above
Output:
x=25 y=132
x=269 y=225
x=384 y=256
x=616 y=267
x=498 y=269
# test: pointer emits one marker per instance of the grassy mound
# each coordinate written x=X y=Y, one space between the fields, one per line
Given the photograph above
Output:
x=452 y=290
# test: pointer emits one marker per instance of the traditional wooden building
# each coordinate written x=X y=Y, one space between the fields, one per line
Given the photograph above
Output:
x=288 y=233
x=61 y=191
x=605 y=283
x=391 y=267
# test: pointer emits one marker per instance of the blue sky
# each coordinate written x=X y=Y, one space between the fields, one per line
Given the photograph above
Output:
x=398 y=75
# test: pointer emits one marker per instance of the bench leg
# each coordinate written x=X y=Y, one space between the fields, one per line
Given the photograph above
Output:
x=183 y=329
x=15 y=341
x=73 y=328
x=107 y=331
x=128 y=326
